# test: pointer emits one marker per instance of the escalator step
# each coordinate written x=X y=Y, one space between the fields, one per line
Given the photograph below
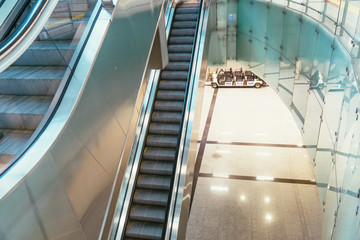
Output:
x=179 y=57
x=27 y=80
x=157 y=167
x=167 y=117
x=22 y=112
x=159 y=154
x=177 y=66
x=170 y=106
x=189 y=5
x=143 y=230
x=170 y=95
x=155 y=182
x=174 y=75
x=164 y=128
x=181 y=40
x=183 y=32
x=185 y=17
x=148 y=213
x=161 y=141
x=151 y=197
x=180 y=48
x=172 y=85
x=191 y=9
x=13 y=141
x=47 y=53
x=184 y=24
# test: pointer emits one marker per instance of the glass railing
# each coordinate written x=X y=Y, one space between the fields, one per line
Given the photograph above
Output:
x=340 y=17
x=13 y=14
x=32 y=86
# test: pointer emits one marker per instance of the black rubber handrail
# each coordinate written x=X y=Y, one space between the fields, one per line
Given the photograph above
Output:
x=14 y=37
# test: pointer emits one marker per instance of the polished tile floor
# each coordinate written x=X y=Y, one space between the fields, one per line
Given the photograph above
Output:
x=255 y=179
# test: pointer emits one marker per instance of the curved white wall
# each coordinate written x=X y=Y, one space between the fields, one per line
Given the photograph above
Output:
x=287 y=47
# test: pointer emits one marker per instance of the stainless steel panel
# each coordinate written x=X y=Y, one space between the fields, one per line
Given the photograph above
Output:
x=46 y=189
x=18 y=210
x=65 y=178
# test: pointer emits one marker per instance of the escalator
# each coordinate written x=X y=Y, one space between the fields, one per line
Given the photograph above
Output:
x=149 y=206
x=28 y=86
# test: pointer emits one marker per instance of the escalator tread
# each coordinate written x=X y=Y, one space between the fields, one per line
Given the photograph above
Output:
x=170 y=95
x=153 y=197
x=161 y=141
x=179 y=57
x=184 y=24
x=173 y=106
x=162 y=154
x=148 y=213
x=164 y=128
x=172 y=85
x=155 y=182
x=157 y=167
x=166 y=117
x=144 y=230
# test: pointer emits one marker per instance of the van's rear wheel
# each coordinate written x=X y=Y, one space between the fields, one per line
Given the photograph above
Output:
x=257 y=85
x=214 y=85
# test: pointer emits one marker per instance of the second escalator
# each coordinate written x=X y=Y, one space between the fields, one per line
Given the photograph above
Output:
x=151 y=198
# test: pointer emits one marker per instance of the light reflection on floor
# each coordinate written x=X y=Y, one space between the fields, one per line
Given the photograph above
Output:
x=228 y=208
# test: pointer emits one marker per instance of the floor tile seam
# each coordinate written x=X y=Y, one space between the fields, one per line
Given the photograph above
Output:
x=254 y=144
x=201 y=149
x=254 y=178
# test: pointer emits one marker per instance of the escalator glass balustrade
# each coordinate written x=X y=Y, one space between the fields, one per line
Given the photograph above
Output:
x=28 y=86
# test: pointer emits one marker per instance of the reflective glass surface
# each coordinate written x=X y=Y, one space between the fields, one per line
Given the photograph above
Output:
x=29 y=87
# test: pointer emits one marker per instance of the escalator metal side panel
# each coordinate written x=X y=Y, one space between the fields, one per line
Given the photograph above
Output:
x=84 y=123
x=113 y=220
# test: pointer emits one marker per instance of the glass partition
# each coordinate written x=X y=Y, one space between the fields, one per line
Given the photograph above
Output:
x=257 y=57
x=286 y=81
x=272 y=67
x=307 y=45
x=308 y=52
x=291 y=34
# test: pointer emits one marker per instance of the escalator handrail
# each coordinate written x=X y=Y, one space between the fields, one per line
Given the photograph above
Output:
x=25 y=25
